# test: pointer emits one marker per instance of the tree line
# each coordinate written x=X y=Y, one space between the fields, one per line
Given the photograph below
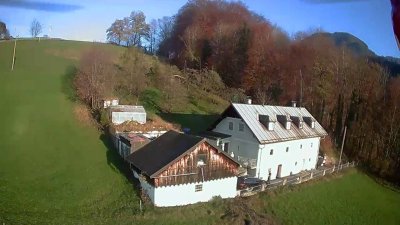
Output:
x=258 y=59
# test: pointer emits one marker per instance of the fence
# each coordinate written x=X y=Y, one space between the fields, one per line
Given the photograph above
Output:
x=295 y=179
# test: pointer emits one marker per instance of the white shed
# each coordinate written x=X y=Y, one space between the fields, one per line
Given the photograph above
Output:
x=123 y=113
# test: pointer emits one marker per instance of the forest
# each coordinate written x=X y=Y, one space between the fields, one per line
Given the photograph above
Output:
x=227 y=50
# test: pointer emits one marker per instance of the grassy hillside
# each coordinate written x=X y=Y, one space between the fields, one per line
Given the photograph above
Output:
x=56 y=170
x=52 y=169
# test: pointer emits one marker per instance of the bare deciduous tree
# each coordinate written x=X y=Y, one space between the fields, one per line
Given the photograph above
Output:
x=36 y=28
x=94 y=78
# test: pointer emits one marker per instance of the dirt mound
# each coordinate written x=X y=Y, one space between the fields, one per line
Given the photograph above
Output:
x=240 y=212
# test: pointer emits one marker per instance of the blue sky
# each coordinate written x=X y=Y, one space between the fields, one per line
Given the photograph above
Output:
x=370 y=20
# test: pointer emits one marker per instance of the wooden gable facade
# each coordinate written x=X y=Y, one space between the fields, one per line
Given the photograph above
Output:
x=202 y=163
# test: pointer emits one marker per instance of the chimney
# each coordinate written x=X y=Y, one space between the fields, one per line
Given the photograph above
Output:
x=249 y=100
x=294 y=104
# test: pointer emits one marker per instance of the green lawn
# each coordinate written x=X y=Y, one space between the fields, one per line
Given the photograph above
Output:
x=352 y=199
x=52 y=169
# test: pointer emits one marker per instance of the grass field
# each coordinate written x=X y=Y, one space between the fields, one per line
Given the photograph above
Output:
x=352 y=199
x=55 y=170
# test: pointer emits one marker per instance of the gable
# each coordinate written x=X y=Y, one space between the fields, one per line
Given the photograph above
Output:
x=163 y=151
x=202 y=163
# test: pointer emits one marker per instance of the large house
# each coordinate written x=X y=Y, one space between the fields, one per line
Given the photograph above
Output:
x=270 y=141
x=180 y=169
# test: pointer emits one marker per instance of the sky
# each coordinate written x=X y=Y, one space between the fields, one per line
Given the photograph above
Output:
x=369 y=20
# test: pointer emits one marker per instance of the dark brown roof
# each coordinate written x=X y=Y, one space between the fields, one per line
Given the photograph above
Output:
x=162 y=151
x=165 y=150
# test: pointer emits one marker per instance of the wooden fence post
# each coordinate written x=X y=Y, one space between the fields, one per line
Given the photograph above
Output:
x=323 y=174
x=284 y=182
x=333 y=170
x=311 y=176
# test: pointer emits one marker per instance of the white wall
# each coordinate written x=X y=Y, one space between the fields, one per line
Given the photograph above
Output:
x=185 y=194
x=242 y=143
x=306 y=157
x=120 y=117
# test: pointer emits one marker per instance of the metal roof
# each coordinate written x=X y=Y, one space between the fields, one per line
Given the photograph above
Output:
x=128 y=108
x=249 y=113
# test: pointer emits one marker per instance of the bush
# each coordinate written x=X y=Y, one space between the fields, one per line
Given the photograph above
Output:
x=104 y=118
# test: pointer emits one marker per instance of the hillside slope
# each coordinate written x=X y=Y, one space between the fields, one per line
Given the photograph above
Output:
x=361 y=49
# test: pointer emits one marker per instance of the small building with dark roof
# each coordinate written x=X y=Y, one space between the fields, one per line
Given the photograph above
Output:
x=127 y=143
x=180 y=169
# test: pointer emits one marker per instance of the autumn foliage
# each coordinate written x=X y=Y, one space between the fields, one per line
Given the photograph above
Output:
x=338 y=87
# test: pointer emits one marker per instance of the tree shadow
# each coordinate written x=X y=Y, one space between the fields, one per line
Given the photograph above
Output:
x=67 y=83
x=195 y=122
x=116 y=163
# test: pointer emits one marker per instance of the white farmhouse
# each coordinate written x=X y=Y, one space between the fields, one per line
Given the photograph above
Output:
x=122 y=113
x=270 y=141
x=180 y=169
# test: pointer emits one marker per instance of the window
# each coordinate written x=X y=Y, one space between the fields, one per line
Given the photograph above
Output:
x=230 y=126
x=295 y=163
x=287 y=149
x=201 y=159
x=198 y=187
x=271 y=152
x=241 y=127
x=226 y=147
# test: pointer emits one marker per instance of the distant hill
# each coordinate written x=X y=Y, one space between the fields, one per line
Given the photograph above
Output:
x=360 y=48
x=351 y=42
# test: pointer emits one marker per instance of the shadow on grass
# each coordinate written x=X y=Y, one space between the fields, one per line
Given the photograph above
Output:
x=67 y=83
x=195 y=122
x=115 y=161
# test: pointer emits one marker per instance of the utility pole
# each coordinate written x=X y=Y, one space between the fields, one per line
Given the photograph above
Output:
x=301 y=89
x=341 y=150
x=13 y=59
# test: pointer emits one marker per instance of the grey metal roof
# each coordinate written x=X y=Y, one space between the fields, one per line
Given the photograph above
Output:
x=128 y=108
x=249 y=113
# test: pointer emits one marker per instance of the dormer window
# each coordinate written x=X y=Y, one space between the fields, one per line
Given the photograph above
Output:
x=267 y=121
x=310 y=121
x=285 y=121
x=298 y=121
